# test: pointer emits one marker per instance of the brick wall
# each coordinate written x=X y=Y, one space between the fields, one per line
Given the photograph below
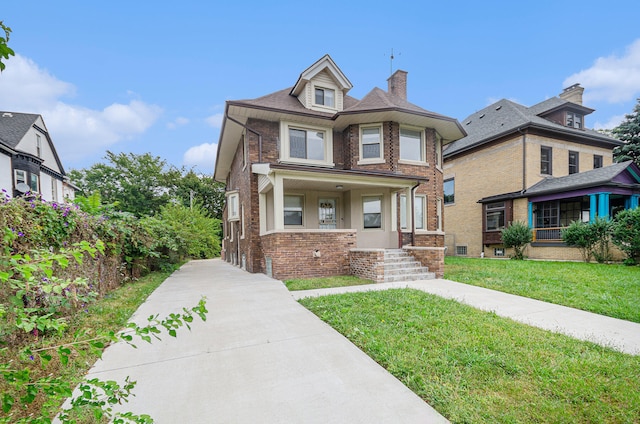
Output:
x=304 y=254
x=432 y=257
x=367 y=264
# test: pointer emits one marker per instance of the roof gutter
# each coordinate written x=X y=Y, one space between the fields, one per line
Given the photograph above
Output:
x=253 y=131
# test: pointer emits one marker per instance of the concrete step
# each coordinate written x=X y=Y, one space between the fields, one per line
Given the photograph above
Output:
x=410 y=277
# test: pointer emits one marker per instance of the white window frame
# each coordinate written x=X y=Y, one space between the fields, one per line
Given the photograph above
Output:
x=19 y=179
x=35 y=178
x=54 y=190
x=324 y=89
x=38 y=145
x=380 y=158
x=328 y=144
x=439 y=214
x=423 y=147
x=233 y=206
x=438 y=151
x=381 y=199
x=284 y=210
x=418 y=199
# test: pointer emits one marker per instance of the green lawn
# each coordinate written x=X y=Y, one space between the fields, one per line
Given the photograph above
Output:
x=612 y=290
x=325 y=282
x=476 y=367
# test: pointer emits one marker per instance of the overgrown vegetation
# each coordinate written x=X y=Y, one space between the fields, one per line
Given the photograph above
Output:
x=611 y=290
x=476 y=367
x=517 y=235
x=626 y=234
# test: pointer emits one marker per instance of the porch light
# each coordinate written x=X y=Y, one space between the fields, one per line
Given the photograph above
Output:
x=339 y=186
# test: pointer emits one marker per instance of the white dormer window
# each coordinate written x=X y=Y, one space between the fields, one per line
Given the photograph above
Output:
x=325 y=97
x=306 y=145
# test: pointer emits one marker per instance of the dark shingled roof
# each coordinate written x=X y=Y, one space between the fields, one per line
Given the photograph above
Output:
x=378 y=99
x=14 y=127
x=505 y=117
x=594 y=177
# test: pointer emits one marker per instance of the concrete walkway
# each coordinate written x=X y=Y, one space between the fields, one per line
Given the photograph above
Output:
x=617 y=334
x=259 y=358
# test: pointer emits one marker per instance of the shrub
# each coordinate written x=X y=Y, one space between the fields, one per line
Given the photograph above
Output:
x=592 y=239
x=625 y=234
x=517 y=235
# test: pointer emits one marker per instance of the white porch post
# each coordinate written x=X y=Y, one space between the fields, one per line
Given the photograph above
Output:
x=278 y=203
x=408 y=209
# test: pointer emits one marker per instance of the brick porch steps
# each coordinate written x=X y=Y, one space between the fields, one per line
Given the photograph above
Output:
x=400 y=266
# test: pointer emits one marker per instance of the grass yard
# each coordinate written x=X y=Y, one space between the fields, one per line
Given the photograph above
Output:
x=325 y=282
x=612 y=290
x=476 y=367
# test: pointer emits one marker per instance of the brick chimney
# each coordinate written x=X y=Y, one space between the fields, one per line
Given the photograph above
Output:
x=573 y=94
x=398 y=84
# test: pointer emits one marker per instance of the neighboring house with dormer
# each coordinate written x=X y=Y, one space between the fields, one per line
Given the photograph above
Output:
x=28 y=159
x=319 y=183
x=539 y=165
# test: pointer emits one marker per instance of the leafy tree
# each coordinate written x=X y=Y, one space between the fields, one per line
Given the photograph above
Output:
x=139 y=184
x=592 y=239
x=629 y=132
x=204 y=190
x=5 y=50
x=517 y=235
x=626 y=234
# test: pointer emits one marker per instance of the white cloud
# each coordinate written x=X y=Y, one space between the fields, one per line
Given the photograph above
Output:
x=178 y=122
x=215 y=120
x=613 y=79
x=76 y=131
x=613 y=122
x=202 y=156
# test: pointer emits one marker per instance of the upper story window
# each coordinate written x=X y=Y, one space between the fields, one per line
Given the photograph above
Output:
x=597 y=161
x=574 y=120
x=546 y=160
x=372 y=211
x=325 y=97
x=371 y=144
x=233 y=213
x=412 y=145
x=449 y=191
x=38 y=145
x=307 y=145
x=438 y=151
x=21 y=177
x=574 y=162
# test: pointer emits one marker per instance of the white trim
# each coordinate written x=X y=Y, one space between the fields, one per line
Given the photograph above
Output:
x=382 y=217
x=327 y=139
x=232 y=196
x=423 y=146
x=380 y=158
x=302 y=196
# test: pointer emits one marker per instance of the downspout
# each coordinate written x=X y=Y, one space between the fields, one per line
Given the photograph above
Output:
x=253 y=131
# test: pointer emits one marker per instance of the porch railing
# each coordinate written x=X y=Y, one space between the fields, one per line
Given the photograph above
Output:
x=553 y=234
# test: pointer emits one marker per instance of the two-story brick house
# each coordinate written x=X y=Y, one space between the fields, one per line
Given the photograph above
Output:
x=317 y=181
x=539 y=165
x=29 y=162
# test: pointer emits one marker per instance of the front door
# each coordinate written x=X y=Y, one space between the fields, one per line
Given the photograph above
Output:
x=327 y=214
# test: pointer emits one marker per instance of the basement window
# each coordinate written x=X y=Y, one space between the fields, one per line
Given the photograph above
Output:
x=461 y=250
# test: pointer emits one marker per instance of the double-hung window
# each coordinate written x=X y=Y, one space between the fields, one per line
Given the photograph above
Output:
x=574 y=162
x=371 y=144
x=293 y=209
x=449 y=191
x=325 y=97
x=574 y=120
x=372 y=211
x=495 y=216
x=419 y=212
x=307 y=145
x=412 y=145
x=597 y=161
x=33 y=183
x=21 y=177
x=546 y=160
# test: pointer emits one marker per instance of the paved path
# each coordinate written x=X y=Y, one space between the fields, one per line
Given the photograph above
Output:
x=259 y=358
x=617 y=334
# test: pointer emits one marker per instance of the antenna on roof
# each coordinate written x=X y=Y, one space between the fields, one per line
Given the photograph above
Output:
x=391 y=61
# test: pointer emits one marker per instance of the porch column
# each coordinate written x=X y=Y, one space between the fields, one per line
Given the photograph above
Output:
x=408 y=209
x=635 y=201
x=593 y=207
x=603 y=205
x=530 y=214
x=278 y=204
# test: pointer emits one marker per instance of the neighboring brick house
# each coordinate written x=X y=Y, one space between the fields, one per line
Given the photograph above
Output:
x=28 y=159
x=538 y=165
x=317 y=181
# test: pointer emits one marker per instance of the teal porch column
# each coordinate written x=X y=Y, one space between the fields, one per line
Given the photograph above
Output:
x=593 y=207
x=635 y=201
x=530 y=214
x=603 y=205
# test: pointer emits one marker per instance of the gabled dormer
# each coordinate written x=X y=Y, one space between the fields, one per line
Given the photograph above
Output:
x=322 y=86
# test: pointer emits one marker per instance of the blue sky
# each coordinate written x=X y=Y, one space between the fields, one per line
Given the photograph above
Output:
x=142 y=76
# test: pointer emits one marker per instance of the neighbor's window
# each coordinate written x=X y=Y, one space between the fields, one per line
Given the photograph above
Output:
x=38 y=145
x=232 y=204
x=597 y=161
x=372 y=211
x=325 y=97
x=293 y=209
x=545 y=160
x=21 y=176
x=574 y=120
x=449 y=191
x=33 y=183
x=574 y=162
x=411 y=145
x=494 y=215
x=371 y=143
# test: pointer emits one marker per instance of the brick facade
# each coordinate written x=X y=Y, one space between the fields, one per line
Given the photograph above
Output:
x=367 y=264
